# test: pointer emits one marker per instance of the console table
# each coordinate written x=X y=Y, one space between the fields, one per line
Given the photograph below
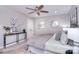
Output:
x=14 y=38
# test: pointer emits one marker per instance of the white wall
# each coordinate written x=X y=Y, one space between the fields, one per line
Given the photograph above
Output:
x=30 y=28
x=22 y=21
x=6 y=15
x=62 y=20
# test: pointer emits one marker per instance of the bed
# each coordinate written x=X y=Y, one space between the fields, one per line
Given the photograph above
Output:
x=47 y=44
x=37 y=43
x=58 y=46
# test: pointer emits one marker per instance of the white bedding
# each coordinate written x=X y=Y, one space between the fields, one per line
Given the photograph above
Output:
x=38 y=42
x=56 y=46
x=48 y=44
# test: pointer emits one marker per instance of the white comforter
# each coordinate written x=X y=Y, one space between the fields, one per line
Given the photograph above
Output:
x=37 y=43
x=56 y=46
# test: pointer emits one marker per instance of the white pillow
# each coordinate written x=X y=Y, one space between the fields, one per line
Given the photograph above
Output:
x=63 y=38
x=76 y=44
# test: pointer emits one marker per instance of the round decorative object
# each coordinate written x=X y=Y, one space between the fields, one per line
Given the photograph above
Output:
x=55 y=24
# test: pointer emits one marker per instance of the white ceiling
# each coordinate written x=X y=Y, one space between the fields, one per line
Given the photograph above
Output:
x=60 y=9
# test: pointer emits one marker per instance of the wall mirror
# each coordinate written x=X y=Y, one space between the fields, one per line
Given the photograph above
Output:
x=54 y=24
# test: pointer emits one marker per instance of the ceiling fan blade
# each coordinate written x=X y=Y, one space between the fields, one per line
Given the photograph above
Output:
x=31 y=12
x=44 y=11
x=40 y=7
x=29 y=8
x=38 y=13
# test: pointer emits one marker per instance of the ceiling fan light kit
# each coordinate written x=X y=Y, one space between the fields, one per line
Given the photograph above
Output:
x=37 y=9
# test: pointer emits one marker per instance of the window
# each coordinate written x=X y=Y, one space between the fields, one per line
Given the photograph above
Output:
x=42 y=24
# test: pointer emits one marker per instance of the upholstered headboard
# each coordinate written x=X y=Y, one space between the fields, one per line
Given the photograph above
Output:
x=73 y=33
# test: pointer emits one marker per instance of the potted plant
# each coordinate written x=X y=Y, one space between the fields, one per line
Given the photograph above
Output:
x=7 y=29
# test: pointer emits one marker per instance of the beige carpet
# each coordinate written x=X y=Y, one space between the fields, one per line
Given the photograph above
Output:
x=15 y=49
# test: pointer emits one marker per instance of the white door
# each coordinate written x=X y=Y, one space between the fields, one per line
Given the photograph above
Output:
x=30 y=28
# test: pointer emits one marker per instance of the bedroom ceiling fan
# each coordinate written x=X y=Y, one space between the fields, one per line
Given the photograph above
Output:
x=37 y=9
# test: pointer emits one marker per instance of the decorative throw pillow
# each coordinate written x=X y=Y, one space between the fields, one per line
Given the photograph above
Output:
x=70 y=42
x=66 y=32
x=76 y=44
x=58 y=35
x=63 y=38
